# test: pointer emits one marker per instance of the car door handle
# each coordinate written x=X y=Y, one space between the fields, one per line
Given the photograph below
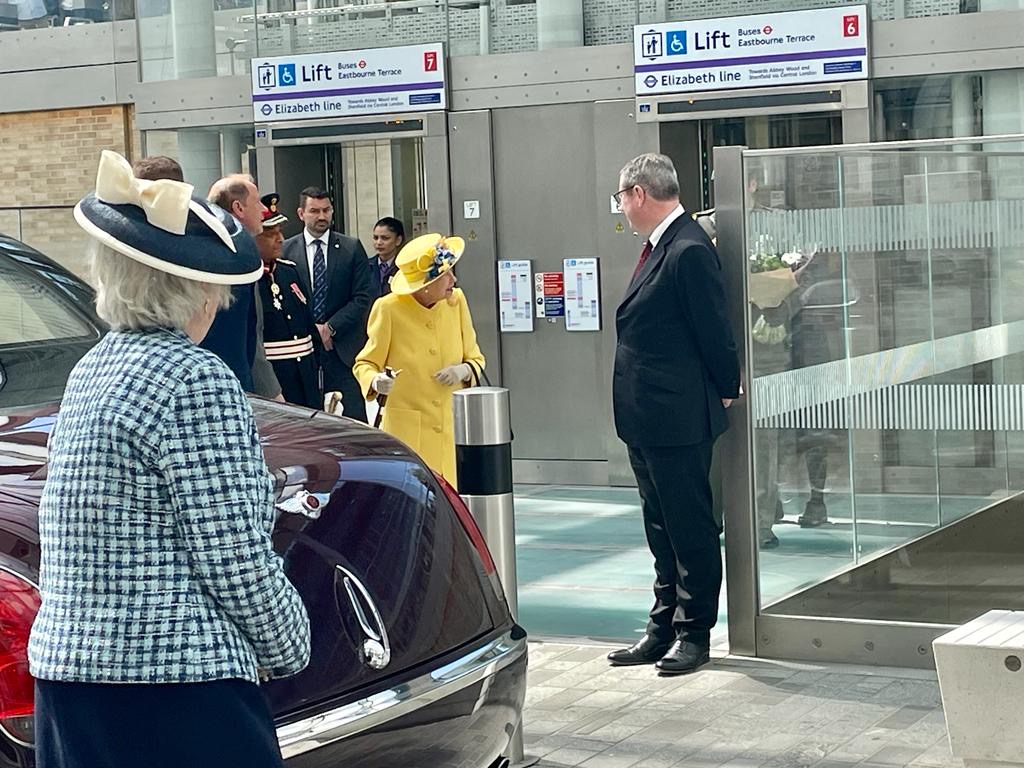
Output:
x=376 y=646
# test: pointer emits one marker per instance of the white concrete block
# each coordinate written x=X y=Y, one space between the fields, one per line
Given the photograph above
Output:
x=981 y=677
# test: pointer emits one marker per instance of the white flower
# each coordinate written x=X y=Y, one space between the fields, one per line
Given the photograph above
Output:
x=792 y=258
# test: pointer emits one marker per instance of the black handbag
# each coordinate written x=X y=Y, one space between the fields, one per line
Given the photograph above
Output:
x=478 y=375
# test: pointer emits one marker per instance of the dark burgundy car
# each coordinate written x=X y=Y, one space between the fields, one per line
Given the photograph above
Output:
x=416 y=660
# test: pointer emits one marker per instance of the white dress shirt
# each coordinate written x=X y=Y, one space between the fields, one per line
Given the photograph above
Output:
x=665 y=224
x=311 y=241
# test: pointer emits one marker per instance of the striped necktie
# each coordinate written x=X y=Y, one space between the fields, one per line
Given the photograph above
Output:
x=319 y=283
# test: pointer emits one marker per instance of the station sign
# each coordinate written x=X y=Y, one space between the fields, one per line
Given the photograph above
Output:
x=409 y=78
x=766 y=49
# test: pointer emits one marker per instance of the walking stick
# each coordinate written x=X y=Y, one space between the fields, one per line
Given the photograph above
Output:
x=382 y=399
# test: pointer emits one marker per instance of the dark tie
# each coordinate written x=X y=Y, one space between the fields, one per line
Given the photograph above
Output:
x=385 y=267
x=319 y=283
x=644 y=255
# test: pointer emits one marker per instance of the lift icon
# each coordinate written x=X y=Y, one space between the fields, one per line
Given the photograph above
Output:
x=652 y=45
x=266 y=76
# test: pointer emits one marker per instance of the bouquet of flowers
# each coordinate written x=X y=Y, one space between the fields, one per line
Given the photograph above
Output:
x=772 y=270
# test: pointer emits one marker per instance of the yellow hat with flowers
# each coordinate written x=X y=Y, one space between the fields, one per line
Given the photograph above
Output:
x=425 y=259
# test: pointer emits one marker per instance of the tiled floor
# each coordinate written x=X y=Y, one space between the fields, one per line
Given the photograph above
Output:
x=585 y=570
x=735 y=713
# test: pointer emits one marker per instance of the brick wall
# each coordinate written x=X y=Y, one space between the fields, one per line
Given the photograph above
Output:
x=49 y=162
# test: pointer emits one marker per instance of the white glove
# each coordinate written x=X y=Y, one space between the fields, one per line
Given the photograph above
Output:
x=454 y=374
x=383 y=384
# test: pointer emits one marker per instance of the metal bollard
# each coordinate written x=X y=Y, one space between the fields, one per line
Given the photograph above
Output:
x=483 y=463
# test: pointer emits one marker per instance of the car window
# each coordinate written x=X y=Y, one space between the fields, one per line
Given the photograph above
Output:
x=30 y=312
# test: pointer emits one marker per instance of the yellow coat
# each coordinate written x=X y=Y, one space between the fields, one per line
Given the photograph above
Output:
x=404 y=335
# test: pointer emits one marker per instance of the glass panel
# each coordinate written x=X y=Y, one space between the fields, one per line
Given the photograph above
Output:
x=469 y=27
x=29 y=312
x=383 y=178
x=195 y=38
x=205 y=154
x=40 y=14
x=944 y=106
x=800 y=296
x=880 y=10
x=887 y=357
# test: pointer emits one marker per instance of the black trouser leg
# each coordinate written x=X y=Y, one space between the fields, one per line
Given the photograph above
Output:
x=338 y=378
x=352 y=401
x=683 y=537
x=660 y=624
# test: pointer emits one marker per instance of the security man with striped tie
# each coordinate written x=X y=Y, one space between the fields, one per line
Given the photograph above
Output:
x=288 y=327
x=335 y=275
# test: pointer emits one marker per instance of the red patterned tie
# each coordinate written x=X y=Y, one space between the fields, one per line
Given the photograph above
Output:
x=644 y=255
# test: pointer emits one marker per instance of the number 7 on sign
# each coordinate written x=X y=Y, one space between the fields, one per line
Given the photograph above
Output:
x=430 y=61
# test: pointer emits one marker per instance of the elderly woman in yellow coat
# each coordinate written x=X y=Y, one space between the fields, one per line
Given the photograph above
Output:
x=422 y=332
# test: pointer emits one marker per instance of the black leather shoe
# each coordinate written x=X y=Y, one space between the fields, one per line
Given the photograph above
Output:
x=647 y=651
x=815 y=514
x=684 y=657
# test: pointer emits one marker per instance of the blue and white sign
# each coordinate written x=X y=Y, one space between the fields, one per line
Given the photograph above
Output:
x=409 y=78
x=818 y=46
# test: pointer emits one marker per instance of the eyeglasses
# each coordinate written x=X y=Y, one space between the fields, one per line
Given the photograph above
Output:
x=617 y=197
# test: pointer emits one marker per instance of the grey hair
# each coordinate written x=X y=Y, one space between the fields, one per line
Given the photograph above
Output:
x=132 y=296
x=655 y=173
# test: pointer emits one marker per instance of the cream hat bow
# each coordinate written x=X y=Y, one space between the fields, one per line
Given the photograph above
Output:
x=165 y=202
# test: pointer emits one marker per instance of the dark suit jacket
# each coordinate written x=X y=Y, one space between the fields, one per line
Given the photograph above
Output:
x=349 y=289
x=675 y=359
x=232 y=337
x=381 y=288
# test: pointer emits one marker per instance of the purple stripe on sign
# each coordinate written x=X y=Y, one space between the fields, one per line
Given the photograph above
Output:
x=347 y=91
x=778 y=57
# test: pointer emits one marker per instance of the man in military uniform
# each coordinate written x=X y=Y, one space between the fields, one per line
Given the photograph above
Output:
x=287 y=322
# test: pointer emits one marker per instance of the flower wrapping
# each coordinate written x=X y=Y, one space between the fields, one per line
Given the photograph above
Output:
x=767 y=290
x=771 y=277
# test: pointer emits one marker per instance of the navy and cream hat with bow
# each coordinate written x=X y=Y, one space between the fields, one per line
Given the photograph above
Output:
x=160 y=224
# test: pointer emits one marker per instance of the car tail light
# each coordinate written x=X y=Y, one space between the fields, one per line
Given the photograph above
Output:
x=466 y=518
x=19 y=603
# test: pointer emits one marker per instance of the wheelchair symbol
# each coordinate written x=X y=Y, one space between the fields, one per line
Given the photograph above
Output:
x=286 y=74
x=676 y=40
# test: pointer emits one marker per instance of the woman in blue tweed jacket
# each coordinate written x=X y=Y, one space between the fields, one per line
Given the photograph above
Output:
x=162 y=599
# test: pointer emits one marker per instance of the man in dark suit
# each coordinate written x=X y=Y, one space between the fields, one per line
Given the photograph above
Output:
x=336 y=277
x=236 y=335
x=676 y=371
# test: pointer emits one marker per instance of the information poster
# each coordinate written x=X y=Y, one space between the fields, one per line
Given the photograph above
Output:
x=549 y=294
x=582 y=295
x=514 y=296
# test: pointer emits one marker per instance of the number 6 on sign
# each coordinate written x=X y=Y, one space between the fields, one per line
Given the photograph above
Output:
x=851 y=26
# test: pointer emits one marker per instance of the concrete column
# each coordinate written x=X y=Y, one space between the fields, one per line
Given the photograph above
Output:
x=559 y=24
x=962 y=103
x=1002 y=102
x=485 y=28
x=194 y=45
x=199 y=155
x=231 y=151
